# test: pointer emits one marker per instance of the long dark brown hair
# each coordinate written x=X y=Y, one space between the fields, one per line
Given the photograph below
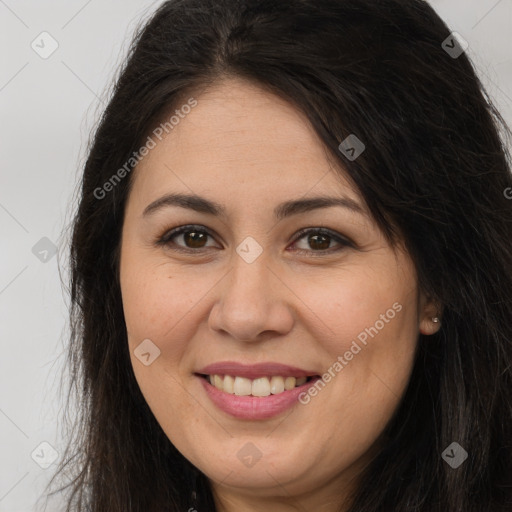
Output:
x=434 y=174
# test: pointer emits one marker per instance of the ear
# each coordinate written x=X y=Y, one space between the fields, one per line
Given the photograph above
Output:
x=429 y=316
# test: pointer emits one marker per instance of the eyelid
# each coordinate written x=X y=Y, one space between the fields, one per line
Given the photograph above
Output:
x=343 y=240
x=179 y=230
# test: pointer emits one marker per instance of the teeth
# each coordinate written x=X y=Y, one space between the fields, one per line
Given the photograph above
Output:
x=218 y=381
x=243 y=387
x=276 y=385
x=229 y=384
x=262 y=386
x=289 y=383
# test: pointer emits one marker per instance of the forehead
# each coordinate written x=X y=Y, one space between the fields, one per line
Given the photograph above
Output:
x=241 y=139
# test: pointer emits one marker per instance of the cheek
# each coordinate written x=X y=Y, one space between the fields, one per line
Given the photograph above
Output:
x=369 y=328
x=158 y=305
x=363 y=305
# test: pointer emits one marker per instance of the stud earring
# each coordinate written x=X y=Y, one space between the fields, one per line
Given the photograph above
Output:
x=435 y=319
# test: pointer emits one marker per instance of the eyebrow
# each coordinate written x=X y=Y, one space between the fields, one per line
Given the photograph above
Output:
x=283 y=210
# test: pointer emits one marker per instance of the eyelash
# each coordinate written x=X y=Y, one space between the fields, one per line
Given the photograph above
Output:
x=169 y=235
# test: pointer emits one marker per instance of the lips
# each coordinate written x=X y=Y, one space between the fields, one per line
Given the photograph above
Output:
x=264 y=405
x=255 y=371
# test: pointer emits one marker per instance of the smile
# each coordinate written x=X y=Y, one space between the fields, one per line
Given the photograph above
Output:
x=255 y=391
x=261 y=387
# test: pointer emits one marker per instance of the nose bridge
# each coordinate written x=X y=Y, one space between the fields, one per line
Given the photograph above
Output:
x=250 y=276
x=250 y=262
x=249 y=301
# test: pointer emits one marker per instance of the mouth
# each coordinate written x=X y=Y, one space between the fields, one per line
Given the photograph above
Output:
x=261 y=398
x=259 y=387
x=256 y=391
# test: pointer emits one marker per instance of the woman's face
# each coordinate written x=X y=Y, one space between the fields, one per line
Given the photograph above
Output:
x=243 y=287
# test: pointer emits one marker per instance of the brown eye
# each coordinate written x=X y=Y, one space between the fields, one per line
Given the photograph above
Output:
x=320 y=239
x=192 y=238
x=321 y=242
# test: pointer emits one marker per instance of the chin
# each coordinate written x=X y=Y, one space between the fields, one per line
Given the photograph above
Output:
x=264 y=473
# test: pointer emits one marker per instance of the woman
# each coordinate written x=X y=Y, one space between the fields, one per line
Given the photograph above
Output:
x=291 y=268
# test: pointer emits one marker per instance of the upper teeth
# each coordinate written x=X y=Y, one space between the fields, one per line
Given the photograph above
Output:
x=257 y=387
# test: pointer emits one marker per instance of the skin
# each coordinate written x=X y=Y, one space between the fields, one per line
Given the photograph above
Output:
x=249 y=150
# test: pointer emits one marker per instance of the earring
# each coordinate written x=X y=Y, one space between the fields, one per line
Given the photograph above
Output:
x=435 y=319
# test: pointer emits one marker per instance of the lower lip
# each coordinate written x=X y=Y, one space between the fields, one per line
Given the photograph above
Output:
x=255 y=407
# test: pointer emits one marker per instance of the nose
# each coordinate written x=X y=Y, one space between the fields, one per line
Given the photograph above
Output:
x=252 y=302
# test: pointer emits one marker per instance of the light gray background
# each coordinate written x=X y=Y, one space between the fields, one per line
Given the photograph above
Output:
x=48 y=108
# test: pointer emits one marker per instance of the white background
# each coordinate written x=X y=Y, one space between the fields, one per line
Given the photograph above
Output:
x=48 y=108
